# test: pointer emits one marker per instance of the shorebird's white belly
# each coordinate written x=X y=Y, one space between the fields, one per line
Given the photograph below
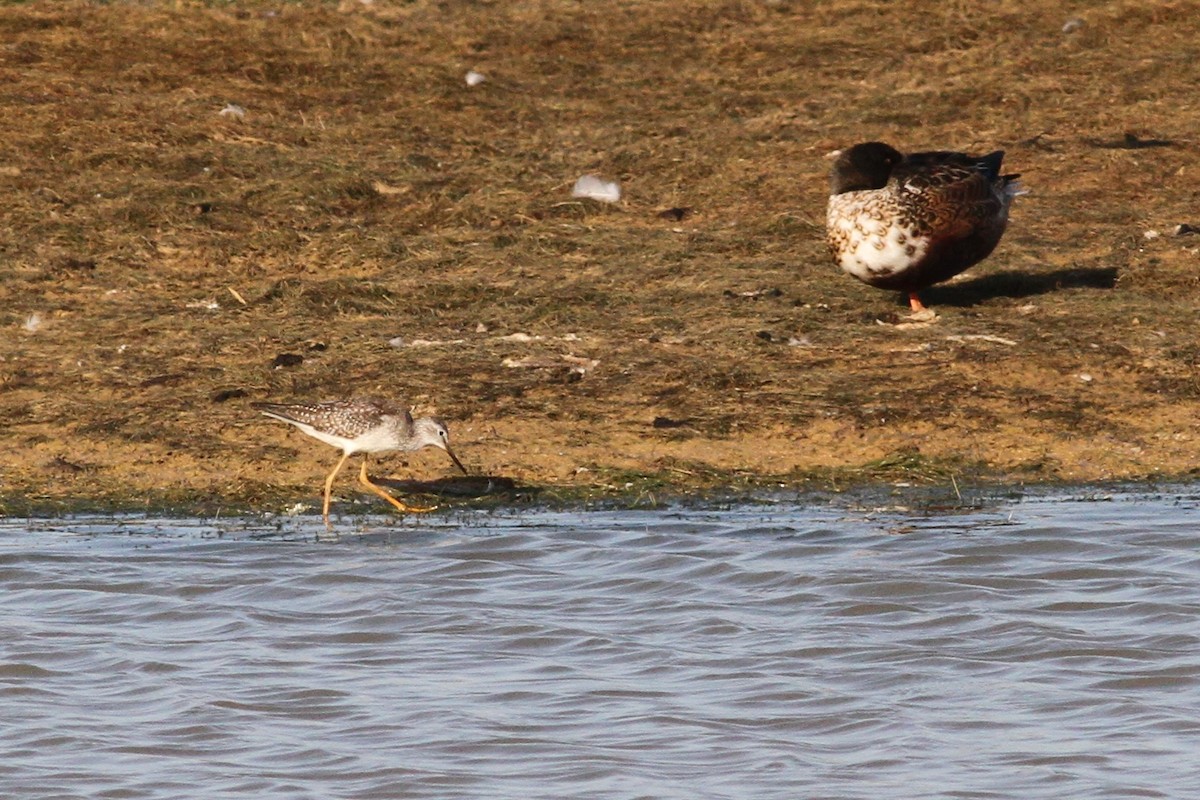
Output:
x=379 y=439
x=869 y=247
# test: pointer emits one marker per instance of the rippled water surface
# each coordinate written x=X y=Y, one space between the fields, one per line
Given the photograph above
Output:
x=1037 y=649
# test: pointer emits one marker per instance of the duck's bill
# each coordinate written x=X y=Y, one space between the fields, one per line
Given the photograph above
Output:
x=457 y=463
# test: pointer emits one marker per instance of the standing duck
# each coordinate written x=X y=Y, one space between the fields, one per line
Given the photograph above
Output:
x=908 y=222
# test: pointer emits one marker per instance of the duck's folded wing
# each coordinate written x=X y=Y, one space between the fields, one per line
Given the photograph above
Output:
x=949 y=199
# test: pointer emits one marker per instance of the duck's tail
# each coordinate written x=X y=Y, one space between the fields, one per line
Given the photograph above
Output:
x=989 y=165
x=1010 y=187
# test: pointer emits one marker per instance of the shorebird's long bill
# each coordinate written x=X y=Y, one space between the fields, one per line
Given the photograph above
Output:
x=457 y=463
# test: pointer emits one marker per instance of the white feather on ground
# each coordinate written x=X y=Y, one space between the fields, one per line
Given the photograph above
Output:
x=597 y=189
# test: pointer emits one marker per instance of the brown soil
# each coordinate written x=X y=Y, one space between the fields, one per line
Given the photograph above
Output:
x=158 y=257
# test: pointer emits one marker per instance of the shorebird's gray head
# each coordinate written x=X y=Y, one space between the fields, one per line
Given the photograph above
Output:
x=432 y=432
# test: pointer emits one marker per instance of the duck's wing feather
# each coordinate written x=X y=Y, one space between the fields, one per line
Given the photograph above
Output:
x=949 y=194
x=989 y=165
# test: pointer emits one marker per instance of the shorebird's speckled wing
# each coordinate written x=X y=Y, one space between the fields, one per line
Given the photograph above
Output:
x=347 y=419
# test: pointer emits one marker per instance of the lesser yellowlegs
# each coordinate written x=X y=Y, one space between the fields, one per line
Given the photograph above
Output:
x=364 y=426
x=908 y=222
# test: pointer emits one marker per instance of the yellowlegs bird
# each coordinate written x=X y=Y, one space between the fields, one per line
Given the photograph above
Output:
x=364 y=426
x=908 y=222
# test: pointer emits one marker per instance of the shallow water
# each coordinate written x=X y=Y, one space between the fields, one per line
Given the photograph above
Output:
x=1038 y=649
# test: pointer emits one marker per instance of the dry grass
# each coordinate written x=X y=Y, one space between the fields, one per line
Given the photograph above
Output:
x=369 y=194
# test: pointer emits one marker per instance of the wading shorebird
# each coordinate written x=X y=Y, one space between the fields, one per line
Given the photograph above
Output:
x=364 y=426
x=908 y=222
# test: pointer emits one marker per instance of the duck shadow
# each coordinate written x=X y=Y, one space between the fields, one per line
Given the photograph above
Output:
x=463 y=487
x=1019 y=284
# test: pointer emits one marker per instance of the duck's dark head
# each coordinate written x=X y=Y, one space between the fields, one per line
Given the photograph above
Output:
x=862 y=167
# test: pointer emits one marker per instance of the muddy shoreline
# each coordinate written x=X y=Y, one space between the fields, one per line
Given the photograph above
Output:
x=369 y=223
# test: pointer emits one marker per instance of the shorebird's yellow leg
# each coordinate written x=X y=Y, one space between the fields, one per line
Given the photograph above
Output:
x=362 y=477
x=329 y=486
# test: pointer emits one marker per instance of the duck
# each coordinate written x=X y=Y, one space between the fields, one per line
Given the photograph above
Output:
x=906 y=222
